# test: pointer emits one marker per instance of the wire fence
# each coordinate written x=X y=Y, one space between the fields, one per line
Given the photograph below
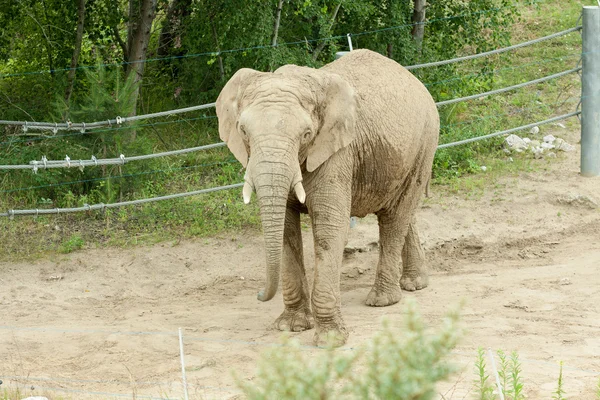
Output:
x=119 y=123
x=44 y=164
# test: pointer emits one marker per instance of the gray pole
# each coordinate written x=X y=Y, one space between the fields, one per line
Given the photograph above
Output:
x=590 y=93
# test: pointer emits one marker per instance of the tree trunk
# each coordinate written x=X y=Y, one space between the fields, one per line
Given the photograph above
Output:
x=141 y=16
x=276 y=26
x=390 y=50
x=324 y=43
x=77 y=50
x=418 y=18
x=171 y=26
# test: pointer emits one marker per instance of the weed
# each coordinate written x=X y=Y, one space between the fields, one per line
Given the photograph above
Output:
x=396 y=364
x=559 y=392
x=75 y=242
x=484 y=390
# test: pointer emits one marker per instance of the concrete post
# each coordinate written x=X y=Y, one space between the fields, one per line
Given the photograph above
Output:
x=590 y=93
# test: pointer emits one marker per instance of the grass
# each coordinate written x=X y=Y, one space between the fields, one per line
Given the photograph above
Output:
x=457 y=170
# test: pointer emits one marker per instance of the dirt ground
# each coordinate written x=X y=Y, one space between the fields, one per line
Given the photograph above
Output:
x=525 y=255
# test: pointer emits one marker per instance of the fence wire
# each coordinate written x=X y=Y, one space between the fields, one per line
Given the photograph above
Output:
x=509 y=88
x=119 y=120
x=68 y=163
x=498 y=51
x=102 y=206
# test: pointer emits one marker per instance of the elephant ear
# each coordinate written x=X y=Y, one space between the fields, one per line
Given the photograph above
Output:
x=228 y=111
x=337 y=111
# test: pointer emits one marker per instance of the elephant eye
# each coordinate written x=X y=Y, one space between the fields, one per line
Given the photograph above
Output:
x=307 y=134
x=243 y=130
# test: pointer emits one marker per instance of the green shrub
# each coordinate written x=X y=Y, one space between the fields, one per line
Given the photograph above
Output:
x=402 y=362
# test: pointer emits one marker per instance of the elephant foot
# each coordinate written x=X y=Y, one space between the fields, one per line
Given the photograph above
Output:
x=382 y=298
x=295 y=320
x=329 y=336
x=412 y=283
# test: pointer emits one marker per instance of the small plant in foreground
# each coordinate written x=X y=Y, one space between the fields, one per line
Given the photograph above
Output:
x=516 y=381
x=395 y=364
x=482 y=385
x=559 y=393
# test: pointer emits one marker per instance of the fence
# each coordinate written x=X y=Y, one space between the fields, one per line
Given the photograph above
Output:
x=591 y=64
x=44 y=164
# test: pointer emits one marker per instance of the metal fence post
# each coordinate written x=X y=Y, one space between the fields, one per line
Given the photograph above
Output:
x=590 y=93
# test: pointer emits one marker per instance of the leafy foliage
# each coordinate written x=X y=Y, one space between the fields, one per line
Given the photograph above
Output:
x=398 y=363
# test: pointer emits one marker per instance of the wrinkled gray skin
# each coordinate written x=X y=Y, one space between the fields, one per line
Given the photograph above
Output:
x=355 y=137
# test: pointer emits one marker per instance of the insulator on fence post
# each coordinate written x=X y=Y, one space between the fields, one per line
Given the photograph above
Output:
x=590 y=93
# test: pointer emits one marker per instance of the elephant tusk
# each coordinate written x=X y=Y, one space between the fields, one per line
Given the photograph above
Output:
x=299 y=189
x=247 y=192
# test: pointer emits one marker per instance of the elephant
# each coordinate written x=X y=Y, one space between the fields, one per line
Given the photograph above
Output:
x=354 y=137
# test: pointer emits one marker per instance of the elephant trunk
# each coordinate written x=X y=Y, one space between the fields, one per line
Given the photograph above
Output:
x=272 y=178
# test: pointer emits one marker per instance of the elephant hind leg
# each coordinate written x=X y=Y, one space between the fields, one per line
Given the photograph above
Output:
x=414 y=268
x=392 y=231
x=398 y=240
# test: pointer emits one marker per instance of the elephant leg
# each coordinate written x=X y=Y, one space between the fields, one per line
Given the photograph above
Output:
x=414 y=268
x=392 y=232
x=330 y=229
x=296 y=316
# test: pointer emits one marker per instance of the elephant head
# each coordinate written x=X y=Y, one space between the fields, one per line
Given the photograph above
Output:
x=276 y=123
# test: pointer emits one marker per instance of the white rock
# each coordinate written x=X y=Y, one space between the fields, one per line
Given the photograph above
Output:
x=549 y=138
x=560 y=125
x=547 y=145
x=564 y=146
x=565 y=281
x=483 y=168
x=535 y=130
x=515 y=143
x=537 y=152
x=527 y=140
x=551 y=155
x=535 y=143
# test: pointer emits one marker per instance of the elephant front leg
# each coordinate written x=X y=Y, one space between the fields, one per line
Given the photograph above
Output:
x=414 y=268
x=296 y=316
x=330 y=234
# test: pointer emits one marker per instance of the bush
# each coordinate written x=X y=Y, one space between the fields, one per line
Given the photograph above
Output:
x=398 y=363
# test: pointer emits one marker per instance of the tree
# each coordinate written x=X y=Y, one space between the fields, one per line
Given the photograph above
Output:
x=418 y=18
x=141 y=16
x=77 y=50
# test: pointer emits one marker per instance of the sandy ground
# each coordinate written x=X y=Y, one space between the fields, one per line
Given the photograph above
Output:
x=525 y=256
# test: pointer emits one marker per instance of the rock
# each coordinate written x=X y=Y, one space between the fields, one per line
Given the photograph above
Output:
x=535 y=130
x=527 y=140
x=549 y=138
x=561 y=145
x=565 y=281
x=535 y=143
x=483 y=168
x=578 y=200
x=547 y=145
x=560 y=125
x=514 y=142
x=551 y=155
x=538 y=152
x=35 y=398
